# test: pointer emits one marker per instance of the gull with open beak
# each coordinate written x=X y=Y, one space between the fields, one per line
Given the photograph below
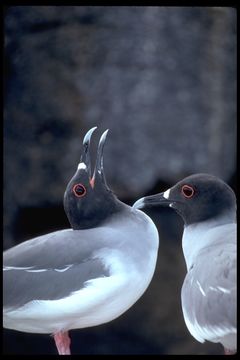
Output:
x=84 y=276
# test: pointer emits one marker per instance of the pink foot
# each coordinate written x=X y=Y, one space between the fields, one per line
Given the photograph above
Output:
x=62 y=341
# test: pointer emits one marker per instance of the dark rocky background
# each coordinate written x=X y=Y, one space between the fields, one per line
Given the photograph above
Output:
x=163 y=80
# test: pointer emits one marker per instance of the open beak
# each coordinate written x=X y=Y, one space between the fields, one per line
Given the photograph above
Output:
x=152 y=200
x=85 y=162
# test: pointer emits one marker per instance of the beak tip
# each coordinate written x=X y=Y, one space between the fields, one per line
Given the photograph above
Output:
x=88 y=135
x=103 y=137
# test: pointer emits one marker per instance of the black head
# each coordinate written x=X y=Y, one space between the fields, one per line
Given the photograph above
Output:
x=88 y=202
x=196 y=198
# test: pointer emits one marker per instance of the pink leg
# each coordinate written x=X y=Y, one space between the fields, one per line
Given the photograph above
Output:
x=62 y=341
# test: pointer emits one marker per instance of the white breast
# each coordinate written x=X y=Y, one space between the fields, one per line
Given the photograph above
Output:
x=198 y=236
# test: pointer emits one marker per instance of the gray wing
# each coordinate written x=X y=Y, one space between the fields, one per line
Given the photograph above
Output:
x=55 y=249
x=50 y=267
x=209 y=293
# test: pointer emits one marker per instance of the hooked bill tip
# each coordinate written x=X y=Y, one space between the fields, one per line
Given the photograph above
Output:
x=103 y=137
x=88 y=135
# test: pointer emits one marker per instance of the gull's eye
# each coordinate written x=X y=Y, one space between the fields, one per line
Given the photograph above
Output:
x=187 y=191
x=79 y=190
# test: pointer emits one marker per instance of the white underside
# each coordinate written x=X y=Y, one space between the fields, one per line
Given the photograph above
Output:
x=100 y=301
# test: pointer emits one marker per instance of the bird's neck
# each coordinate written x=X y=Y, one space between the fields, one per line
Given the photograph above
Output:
x=98 y=217
x=199 y=236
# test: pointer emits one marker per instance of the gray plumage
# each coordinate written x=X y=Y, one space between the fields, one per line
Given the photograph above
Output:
x=84 y=276
x=45 y=264
x=208 y=207
x=209 y=291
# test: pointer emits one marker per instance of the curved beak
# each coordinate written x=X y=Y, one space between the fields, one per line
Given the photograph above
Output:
x=152 y=200
x=99 y=170
x=85 y=157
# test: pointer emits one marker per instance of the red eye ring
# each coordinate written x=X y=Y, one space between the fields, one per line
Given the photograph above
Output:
x=79 y=190
x=187 y=191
